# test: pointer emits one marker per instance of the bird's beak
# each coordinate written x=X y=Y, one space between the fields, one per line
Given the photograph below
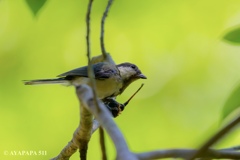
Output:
x=142 y=76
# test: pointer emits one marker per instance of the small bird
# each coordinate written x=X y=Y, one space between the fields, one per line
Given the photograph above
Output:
x=111 y=80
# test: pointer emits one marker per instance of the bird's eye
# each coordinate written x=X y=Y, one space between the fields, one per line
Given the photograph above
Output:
x=133 y=66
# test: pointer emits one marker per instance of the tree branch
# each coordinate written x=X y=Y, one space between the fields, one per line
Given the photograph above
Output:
x=85 y=95
x=185 y=153
x=79 y=133
x=90 y=105
x=235 y=148
x=90 y=69
x=92 y=80
x=85 y=130
x=104 y=52
x=216 y=137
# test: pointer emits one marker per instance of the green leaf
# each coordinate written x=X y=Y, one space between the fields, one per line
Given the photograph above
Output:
x=233 y=36
x=35 y=5
x=232 y=103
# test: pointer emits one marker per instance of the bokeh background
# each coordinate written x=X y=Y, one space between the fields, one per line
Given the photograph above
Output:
x=177 y=44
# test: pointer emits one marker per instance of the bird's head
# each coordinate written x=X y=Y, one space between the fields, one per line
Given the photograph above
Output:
x=129 y=73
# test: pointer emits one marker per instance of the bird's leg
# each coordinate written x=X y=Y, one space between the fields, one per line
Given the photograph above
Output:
x=113 y=106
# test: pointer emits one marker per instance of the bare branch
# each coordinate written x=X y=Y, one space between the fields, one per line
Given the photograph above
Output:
x=85 y=130
x=102 y=143
x=185 y=153
x=104 y=52
x=85 y=95
x=88 y=29
x=83 y=133
x=67 y=151
x=81 y=136
x=91 y=76
x=216 y=137
x=90 y=69
x=72 y=146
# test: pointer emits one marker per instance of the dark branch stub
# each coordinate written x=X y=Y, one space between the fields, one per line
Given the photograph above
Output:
x=102 y=143
x=104 y=52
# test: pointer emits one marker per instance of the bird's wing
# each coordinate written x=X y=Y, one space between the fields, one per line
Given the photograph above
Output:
x=105 y=70
x=82 y=71
x=101 y=71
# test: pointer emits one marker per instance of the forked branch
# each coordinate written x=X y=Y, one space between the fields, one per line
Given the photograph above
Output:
x=104 y=117
x=85 y=95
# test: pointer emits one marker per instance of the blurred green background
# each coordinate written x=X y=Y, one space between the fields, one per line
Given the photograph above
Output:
x=177 y=45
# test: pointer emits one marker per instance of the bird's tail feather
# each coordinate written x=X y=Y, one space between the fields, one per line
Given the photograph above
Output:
x=46 y=81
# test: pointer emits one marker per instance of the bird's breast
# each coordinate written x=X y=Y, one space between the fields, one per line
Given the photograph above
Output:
x=108 y=87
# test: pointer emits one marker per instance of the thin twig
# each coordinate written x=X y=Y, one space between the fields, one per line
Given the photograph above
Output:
x=104 y=117
x=90 y=72
x=106 y=57
x=102 y=143
x=216 y=137
x=126 y=103
x=90 y=69
x=185 y=153
x=86 y=126
x=88 y=29
x=86 y=118
x=104 y=52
